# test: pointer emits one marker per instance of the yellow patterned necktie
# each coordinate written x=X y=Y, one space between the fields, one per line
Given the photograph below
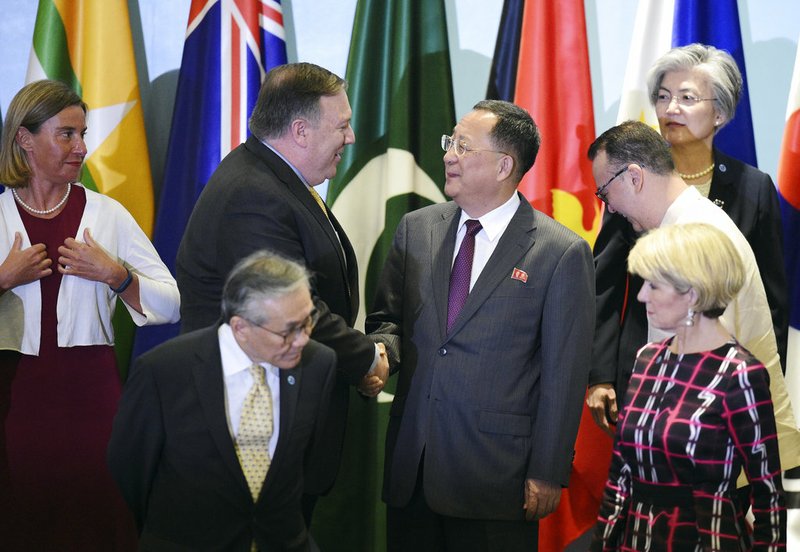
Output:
x=319 y=201
x=255 y=430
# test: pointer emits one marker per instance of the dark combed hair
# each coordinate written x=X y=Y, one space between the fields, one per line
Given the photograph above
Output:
x=291 y=91
x=514 y=133
x=634 y=142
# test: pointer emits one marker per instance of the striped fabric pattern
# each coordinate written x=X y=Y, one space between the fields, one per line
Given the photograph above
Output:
x=692 y=422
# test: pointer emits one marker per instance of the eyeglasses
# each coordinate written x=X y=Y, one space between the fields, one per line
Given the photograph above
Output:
x=601 y=191
x=460 y=148
x=663 y=99
x=288 y=336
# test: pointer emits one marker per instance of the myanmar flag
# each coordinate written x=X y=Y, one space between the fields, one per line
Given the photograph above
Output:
x=88 y=45
x=400 y=89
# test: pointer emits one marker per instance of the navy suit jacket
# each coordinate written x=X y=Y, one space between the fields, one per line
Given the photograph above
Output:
x=254 y=200
x=498 y=398
x=174 y=459
x=749 y=198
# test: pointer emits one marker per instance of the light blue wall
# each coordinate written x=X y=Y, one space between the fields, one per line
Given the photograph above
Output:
x=319 y=31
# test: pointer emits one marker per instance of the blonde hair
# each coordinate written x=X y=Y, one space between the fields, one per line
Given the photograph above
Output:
x=32 y=106
x=691 y=256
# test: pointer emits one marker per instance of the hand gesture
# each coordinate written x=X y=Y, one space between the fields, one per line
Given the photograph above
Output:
x=88 y=260
x=373 y=383
x=23 y=266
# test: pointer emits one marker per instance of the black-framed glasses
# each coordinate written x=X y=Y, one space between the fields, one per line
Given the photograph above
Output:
x=601 y=191
x=663 y=99
x=460 y=147
x=289 y=335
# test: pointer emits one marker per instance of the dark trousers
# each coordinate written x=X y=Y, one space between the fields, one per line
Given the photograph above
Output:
x=417 y=528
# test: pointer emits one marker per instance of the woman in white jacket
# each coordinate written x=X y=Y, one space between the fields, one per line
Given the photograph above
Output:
x=66 y=254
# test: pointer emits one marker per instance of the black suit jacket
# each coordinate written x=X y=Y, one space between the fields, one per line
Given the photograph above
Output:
x=498 y=398
x=173 y=456
x=749 y=198
x=253 y=201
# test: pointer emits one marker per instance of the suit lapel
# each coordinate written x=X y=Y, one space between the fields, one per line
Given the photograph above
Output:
x=515 y=242
x=207 y=372
x=443 y=241
x=290 y=391
x=722 y=181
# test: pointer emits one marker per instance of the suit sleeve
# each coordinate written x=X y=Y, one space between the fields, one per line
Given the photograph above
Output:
x=611 y=261
x=137 y=438
x=385 y=323
x=257 y=220
x=567 y=329
x=767 y=244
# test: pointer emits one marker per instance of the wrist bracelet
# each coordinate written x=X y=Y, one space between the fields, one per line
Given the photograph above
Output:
x=125 y=283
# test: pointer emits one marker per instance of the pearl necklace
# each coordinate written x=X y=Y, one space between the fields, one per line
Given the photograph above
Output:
x=698 y=174
x=53 y=209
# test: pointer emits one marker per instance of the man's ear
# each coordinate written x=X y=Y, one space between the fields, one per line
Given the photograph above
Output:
x=637 y=176
x=299 y=131
x=505 y=168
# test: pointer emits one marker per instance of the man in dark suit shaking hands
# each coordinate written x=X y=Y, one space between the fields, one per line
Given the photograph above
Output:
x=215 y=426
x=262 y=196
x=486 y=307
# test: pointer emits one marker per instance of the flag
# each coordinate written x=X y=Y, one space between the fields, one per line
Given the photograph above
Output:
x=400 y=89
x=652 y=37
x=541 y=62
x=88 y=45
x=230 y=45
x=661 y=25
x=789 y=195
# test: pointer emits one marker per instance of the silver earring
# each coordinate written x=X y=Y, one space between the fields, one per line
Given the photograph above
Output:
x=690 y=318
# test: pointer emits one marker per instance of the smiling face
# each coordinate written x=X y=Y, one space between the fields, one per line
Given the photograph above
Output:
x=282 y=315
x=619 y=193
x=56 y=152
x=327 y=138
x=666 y=307
x=684 y=124
x=475 y=180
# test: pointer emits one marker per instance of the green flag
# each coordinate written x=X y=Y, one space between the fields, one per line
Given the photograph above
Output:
x=400 y=89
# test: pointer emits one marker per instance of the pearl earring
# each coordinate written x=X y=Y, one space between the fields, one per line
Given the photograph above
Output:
x=690 y=318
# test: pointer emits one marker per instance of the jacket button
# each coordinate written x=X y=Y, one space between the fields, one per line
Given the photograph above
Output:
x=442 y=351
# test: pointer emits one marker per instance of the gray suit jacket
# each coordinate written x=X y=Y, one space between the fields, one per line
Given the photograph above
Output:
x=498 y=399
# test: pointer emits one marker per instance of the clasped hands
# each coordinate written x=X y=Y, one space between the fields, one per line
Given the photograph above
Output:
x=372 y=383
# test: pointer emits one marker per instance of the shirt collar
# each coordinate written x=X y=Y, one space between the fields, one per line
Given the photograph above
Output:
x=279 y=154
x=233 y=358
x=495 y=221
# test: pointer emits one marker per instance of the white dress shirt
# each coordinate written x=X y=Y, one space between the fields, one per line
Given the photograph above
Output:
x=493 y=224
x=238 y=381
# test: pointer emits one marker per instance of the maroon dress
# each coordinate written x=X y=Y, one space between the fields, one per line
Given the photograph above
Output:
x=56 y=409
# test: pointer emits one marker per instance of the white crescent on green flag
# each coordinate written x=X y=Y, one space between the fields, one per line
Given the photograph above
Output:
x=400 y=88
x=88 y=45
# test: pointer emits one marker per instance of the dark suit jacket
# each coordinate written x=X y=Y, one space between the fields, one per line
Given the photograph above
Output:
x=749 y=197
x=498 y=399
x=253 y=201
x=173 y=456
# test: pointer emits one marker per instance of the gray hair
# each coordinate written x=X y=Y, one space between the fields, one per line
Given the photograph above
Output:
x=720 y=67
x=256 y=278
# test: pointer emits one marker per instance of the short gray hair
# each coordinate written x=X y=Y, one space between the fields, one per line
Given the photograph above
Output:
x=720 y=67
x=258 y=277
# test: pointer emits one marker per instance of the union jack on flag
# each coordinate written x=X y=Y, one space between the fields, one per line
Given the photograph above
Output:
x=230 y=45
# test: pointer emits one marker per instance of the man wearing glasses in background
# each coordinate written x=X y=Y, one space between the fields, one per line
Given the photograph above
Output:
x=214 y=427
x=486 y=308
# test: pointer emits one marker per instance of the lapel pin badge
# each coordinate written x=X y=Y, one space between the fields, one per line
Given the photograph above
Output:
x=719 y=203
x=519 y=274
x=290 y=380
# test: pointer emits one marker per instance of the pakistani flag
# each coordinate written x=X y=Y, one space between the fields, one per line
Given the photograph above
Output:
x=400 y=89
x=88 y=45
